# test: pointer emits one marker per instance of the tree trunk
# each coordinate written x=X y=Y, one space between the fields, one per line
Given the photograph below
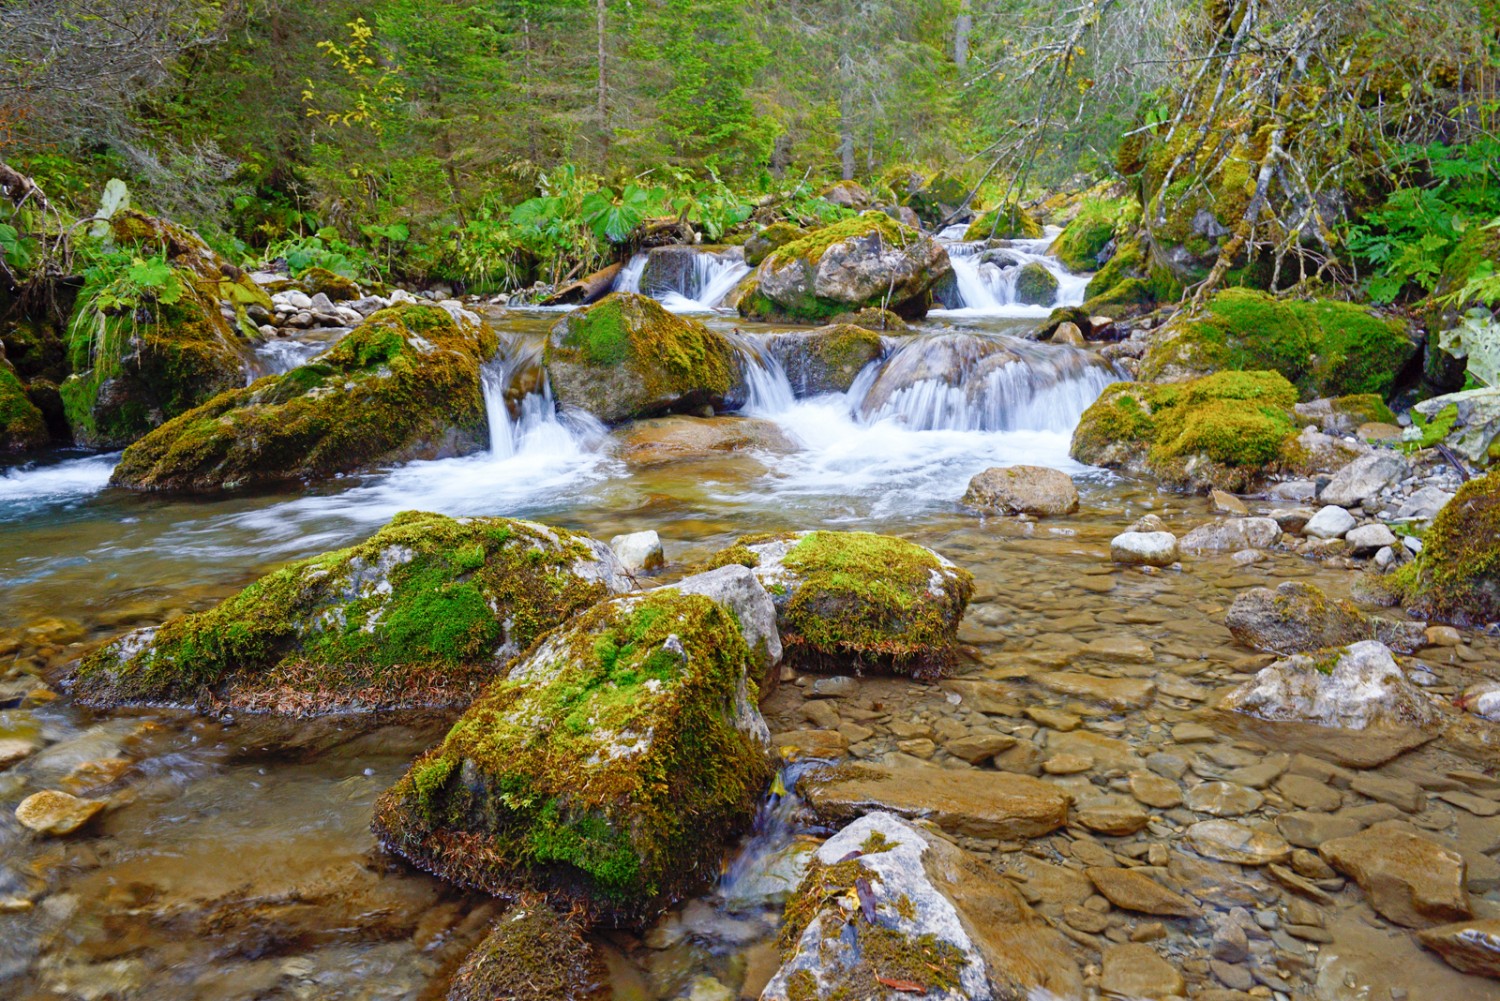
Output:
x=603 y=105
x=962 y=25
x=846 y=139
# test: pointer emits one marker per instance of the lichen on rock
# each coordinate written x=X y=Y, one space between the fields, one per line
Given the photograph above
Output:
x=828 y=359
x=605 y=770
x=403 y=385
x=423 y=613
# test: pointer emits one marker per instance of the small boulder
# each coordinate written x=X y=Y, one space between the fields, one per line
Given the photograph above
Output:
x=1409 y=879
x=1033 y=490
x=1231 y=535
x=1469 y=946
x=659 y=441
x=639 y=552
x=1331 y=522
x=1456 y=577
x=1355 y=688
x=533 y=953
x=1299 y=618
x=55 y=814
x=1367 y=539
x=1152 y=549
x=1364 y=478
x=1135 y=970
x=826 y=360
x=1035 y=285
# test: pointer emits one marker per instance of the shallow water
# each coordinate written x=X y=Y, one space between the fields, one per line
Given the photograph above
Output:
x=235 y=860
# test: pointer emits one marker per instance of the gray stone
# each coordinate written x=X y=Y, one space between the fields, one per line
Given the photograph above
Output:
x=739 y=590
x=1363 y=687
x=1364 y=478
x=1368 y=538
x=1231 y=535
x=1155 y=549
x=1331 y=522
x=639 y=551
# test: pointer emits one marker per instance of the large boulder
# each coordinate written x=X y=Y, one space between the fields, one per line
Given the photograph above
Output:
x=1299 y=618
x=135 y=371
x=1033 y=490
x=605 y=770
x=626 y=357
x=403 y=385
x=1226 y=431
x=1354 y=688
x=867 y=261
x=857 y=601
x=932 y=922
x=1324 y=348
x=422 y=613
x=826 y=360
x=1457 y=576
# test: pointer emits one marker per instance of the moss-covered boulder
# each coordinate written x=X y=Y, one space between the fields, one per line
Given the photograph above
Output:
x=1346 y=414
x=868 y=261
x=1225 y=431
x=605 y=770
x=533 y=953
x=1324 y=348
x=770 y=238
x=936 y=198
x=22 y=426
x=335 y=286
x=1130 y=283
x=826 y=360
x=626 y=357
x=925 y=919
x=1035 y=285
x=1085 y=238
x=424 y=612
x=854 y=601
x=403 y=385
x=1013 y=223
x=1457 y=576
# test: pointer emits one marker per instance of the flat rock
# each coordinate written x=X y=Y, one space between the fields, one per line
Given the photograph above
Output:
x=1364 y=478
x=1408 y=879
x=980 y=804
x=1400 y=793
x=979 y=746
x=1231 y=535
x=813 y=743
x=1121 y=649
x=658 y=441
x=1135 y=970
x=55 y=813
x=1114 y=819
x=1119 y=693
x=14 y=749
x=1226 y=841
x=1154 y=790
x=1309 y=794
x=1470 y=946
x=1223 y=799
x=1135 y=891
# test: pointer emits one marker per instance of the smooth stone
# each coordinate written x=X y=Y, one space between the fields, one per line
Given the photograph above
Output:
x=977 y=747
x=1309 y=830
x=1223 y=799
x=1053 y=719
x=1135 y=891
x=1404 y=795
x=1193 y=733
x=813 y=743
x=980 y=804
x=1331 y=522
x=839 y=686
x=1231 y=535
x=1368 y=538
x=639 y=551
x=14 y=749
x=1226 y=841
x=1116 y=820
x=1107 y=752
x=1151 y=549
x=1468 y=946
x=1408 y=879
x=1125 y=649
x=55 y=814
x=1033 y=490
x=1309 y=794
x=1135 y=970
x=1155 y=791
x=1120 y=693
x=1364 y=478
x=1067 y=764
x=1226 y=503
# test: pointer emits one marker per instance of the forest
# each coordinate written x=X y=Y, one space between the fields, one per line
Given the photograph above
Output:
x=692 y=500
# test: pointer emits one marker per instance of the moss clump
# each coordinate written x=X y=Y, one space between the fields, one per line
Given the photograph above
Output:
x=22 y=426
x=1130 y=282
x=403 y=385
x=533 y=953
x=862 y=602
x=1013 y=223
x=420 y=614
x=1035 y=285
x=811 y=247
x=626 y=357
x=1084 y=239
x=1457 y=576
x=336 y=287
x=769 y=239
x=1221 y=430
x=605 y=771
x=1324 y=348
x=1364 y=408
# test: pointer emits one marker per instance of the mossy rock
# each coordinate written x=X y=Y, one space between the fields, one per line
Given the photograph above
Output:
x=770 y=238
x=1035 y=285
x=870 y=261
x=423 y=613
x=533 y=953
x=1456 y=578
x=1225 y=431
x=1130 y=283
x=336 y=287
x=606 y=770
x=1014 y=223
x=403 y=385
x=36 y=348
x=937 y=197
x=828 y=359
x=1440 y=370
x=22 y=426
x=626 y=357
x=1324 y=348
x=1091 y=230
x=217 y=278
x=855 y=601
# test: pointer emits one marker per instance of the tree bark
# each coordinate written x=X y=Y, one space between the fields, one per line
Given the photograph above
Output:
x=603 y=103
x=963 y=24
x=846 y=139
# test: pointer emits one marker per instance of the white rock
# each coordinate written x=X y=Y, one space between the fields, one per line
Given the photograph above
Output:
x=1424 y=504
x=1385 y=557
x=1482 y=699
x=1364 y=478
x=320 y=303
x=1294 y=490
x=639 y=550
x=293 y=299
x=1363 y=687
x=1154 y=549
x=1367 y=538
x=738 y=589
x=1332 y=522
x=1231 y=535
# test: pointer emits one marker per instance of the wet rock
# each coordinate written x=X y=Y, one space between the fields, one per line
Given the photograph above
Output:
x=977 y=747
x=1331 y=522
x=1135 y=970
x=1409 y=880
x=1299 y=618
x=1424 y=504
x=1308 y=793
x=639 y=551
x=1155 y=791
x=1033 y=490
x=1404 y=795
x=1154 y=549
x=931 y=918
x=1135 y=891
x=1227 y=841
x=770 y=879
x=1307 y=829
x=1364 y=478
x=1223 y=799
x=56 y=814
x=738 y=590
x=825 y=360
x=632 y=716
x=660 y=441
x=1119 y=693
x=533 y=953
x=1113 y=819
x=1457 y=572
x=15 y=749
x=826 y=744
x=405 y=385
x=1357 y=687
x=423 y=613
x=1226 y=503
x=979 y=804
x=1231 y=535
x=856 y=600
x=626 y=357
x=1367 y=539
x=1470 y=946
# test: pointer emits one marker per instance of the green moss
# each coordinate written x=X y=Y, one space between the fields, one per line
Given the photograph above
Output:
x=605 y=770
x=811 y=247
x=1364 y=408
x=413 y=616
x=1456 y=578
x=336 y=287
x=22 y=426
x=1035 y=285
x=403 y=384
x=768 y=239
x=533 y=953
x=1129 y=282
x=1091 y=230
x=1013 y=223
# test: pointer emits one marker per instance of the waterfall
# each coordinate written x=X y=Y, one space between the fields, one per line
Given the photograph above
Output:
x=629 y=278
x=986 y=277
x=712 y=276
x=531 y=423
x=767 y=388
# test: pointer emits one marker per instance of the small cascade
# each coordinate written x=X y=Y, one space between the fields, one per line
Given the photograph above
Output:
x=698 y=286
x=767 y=388
x=767 y=867
x=986 y=277
x=522 y=415
x=629 y=278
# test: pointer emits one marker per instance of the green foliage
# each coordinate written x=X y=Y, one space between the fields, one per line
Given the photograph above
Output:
x=120 y=290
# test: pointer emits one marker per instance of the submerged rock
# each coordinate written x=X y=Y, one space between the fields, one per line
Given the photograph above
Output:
x=1357 y=687
x=826 y=360
x=1231 y=535
x=867 y=261
x=533 y=953
x=662 y=440
x=1299 y=618
x=853 y=600
x=1409 y=879
x=1470 y=946
x=404 y=385
x=1034 y=490
x=605 y=770
x=980 y=804
x=423 y=613
x=933 y=922
x=626 y=357
x=55 y=813
x=1456 y=578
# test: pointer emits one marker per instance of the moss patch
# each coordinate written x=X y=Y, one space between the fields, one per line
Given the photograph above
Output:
x=769 y=239
x=1457 y=576
x=22 y=426
x=336 y=287
x=606 y=770
x=420 y=614
x=1084 y=239
x=1012 y=223
x=811 y=247
x=533 y=953
x=1130 y=282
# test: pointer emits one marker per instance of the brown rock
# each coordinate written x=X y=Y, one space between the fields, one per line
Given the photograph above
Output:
x=663 y=440
x=813 y=743
x=1153 y=790
x=1114 y=819
x=1034 y=490
x=55 y=813
x=1135 y=970
x=1409 y=879
x=1119 y=693
x=1223 y=799
x=1135 y=891
x=981 y=804
x=1227 y=841
x=976 y=747
x=1470 y=946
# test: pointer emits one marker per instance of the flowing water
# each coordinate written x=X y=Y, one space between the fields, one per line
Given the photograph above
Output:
x=235 y=860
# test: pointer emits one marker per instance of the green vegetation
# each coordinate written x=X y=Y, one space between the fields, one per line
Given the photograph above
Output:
x=22 y=427
x=1456 y=578
x=1096 y=224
